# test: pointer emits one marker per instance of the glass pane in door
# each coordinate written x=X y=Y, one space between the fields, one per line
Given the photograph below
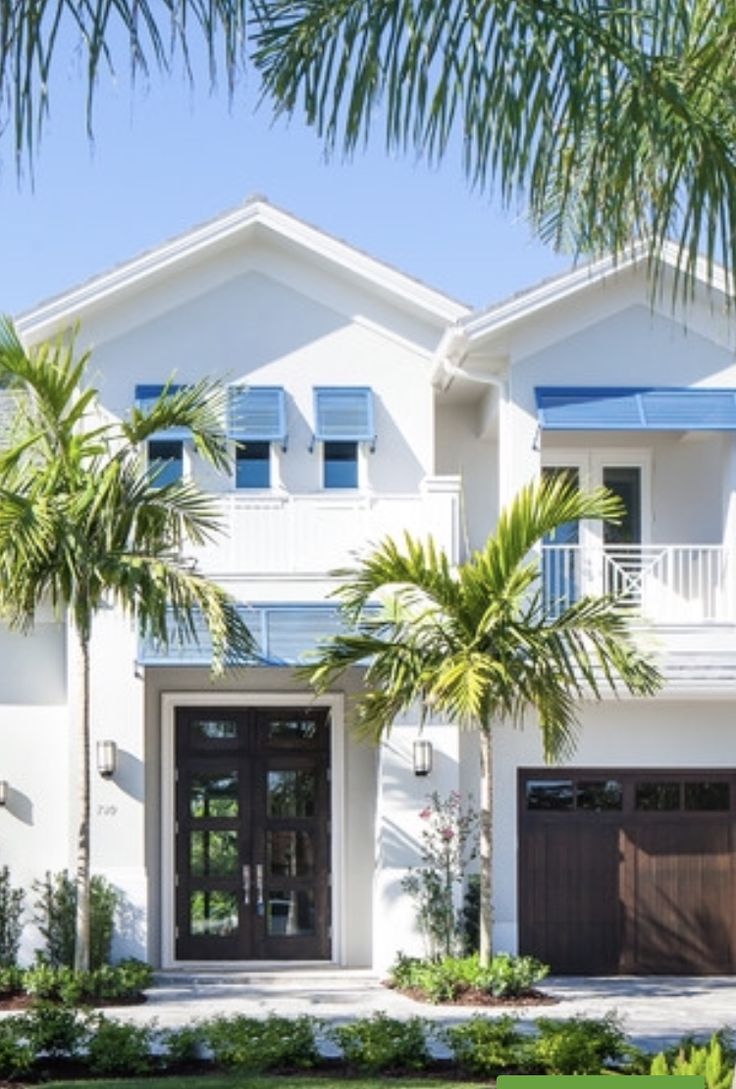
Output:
x=622 y=540
x=625 y=482
x=560 y=559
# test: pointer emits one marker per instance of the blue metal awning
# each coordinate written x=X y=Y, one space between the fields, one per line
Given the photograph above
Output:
x=633 y=408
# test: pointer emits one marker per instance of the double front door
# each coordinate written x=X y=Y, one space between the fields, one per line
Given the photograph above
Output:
x=252 y=833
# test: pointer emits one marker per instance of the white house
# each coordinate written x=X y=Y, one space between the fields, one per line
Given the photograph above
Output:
x=243 y=821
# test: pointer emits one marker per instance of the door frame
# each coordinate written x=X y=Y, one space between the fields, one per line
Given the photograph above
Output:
x=169 y=703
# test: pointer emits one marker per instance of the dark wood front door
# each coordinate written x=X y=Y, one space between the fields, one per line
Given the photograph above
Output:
x=628 y=871
x=252 y=833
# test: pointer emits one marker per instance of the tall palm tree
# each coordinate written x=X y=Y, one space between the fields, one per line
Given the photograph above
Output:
x=481 y=644
x=609 y=121
x=84 y=525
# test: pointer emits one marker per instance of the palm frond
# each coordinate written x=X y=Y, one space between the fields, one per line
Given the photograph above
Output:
x=612 y=121
x=34 y=43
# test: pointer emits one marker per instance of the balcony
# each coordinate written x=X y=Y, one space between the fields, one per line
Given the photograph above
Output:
x=311 y=535
x=669 y=585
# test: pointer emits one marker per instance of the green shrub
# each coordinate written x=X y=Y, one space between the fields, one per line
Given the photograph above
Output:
x=182 y=1045
x=16 y=1054
x=485 y=1046
x=11 y=928
x=55 y=912
x=576 y=1046
x=470 y=915
x=115 y=1048
x=707 y=1061
x=131 y=977
x=55 y=917
x=11 y=980
x=54 y=1030
x=379 y=1043
x=444 y=980
x=122 y=981
x=103 y=904
x=247 y=1043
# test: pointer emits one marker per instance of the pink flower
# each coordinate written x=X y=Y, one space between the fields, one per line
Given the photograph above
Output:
x=447 y=834
x=425 y=814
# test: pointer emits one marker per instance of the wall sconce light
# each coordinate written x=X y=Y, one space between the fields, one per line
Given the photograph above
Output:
x=3 y=792
x=107 y=758
x=422 y=757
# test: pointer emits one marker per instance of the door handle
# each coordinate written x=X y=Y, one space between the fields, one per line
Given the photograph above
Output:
x=246 y=885
x=260 y=906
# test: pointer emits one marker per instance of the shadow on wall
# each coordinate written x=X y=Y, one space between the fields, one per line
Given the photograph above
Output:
x=129 y=775
x=19 y=805
x=129 y=938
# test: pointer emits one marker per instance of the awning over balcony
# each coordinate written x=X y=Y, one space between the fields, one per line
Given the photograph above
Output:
x=285 y=634
x=627 y=408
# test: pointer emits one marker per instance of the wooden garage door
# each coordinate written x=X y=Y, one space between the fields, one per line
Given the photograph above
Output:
x=628 y=871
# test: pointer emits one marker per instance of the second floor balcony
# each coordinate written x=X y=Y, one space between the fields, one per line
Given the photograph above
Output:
x=312 y=534
x=667 y=584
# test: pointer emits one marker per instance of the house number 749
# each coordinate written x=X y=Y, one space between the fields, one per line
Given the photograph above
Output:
x=106 y=810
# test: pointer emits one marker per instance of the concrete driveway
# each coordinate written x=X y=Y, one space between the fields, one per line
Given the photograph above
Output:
x=653 y=1010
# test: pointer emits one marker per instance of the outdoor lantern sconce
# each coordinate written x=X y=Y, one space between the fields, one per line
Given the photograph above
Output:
x=3 y=792
x=422 y=756
x=107 y=758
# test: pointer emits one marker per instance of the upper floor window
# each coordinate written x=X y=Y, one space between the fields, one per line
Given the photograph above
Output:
x=256 y=421
x=166 y=461
x=165 y=448
x=340 y=465
x=343 y=418
x=253 y=465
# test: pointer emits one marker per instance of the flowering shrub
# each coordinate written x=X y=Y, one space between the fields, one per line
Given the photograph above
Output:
x=449 y=842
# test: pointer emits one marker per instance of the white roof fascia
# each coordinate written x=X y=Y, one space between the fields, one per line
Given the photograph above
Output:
x=71 y=306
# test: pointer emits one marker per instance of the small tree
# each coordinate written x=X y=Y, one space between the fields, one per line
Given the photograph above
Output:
x=84 y=525
x=11 y=913
x=480 y=644
x=449 y=843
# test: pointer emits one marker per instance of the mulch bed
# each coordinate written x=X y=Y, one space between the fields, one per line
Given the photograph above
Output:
x=471 y=996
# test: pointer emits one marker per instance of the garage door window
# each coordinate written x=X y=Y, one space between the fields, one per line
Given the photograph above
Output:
x=657 y=796
x=564 y=795
x=599 y=795
x=707 y=796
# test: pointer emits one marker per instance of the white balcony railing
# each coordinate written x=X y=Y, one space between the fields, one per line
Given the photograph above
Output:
x=313 y=534
x=667 y=584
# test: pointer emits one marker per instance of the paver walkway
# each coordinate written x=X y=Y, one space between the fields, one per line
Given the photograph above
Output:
x=653 y=1010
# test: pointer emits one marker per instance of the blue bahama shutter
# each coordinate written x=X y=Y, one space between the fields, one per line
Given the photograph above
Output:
x=256 y=414
x=610 y=408
x=344 y=414
x=146 y=395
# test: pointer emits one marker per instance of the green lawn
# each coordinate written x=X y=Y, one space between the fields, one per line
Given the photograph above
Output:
x=243 y=1081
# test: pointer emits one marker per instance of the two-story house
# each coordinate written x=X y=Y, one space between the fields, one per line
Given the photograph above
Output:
x=242 y=820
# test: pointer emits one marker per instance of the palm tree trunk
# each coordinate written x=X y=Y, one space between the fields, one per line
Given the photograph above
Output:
x=486 y=844
x=81 y=944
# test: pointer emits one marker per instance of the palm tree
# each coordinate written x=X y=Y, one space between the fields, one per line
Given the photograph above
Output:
x=84 y=524
x=482 y=644
x=611 y=122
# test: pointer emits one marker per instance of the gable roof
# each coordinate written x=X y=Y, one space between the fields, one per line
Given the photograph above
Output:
x=254 y=216
x=482 y=326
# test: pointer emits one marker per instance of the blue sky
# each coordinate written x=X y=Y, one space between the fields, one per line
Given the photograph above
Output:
x=166 y=157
